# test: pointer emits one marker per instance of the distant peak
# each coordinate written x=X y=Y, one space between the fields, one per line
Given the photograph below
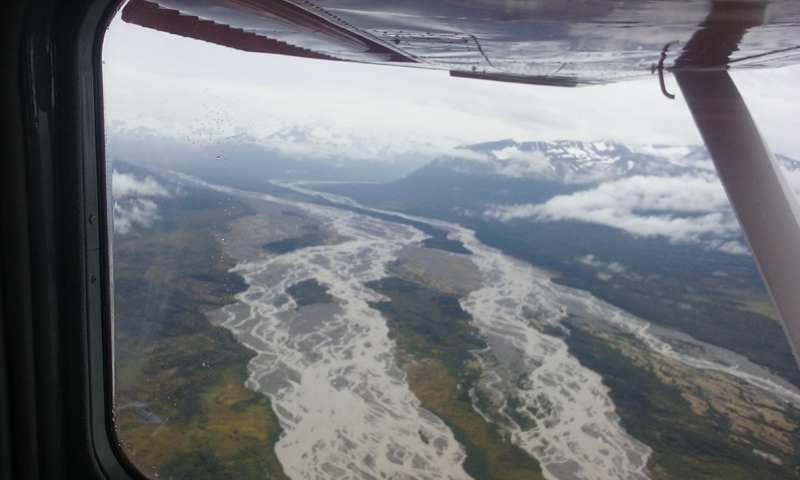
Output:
x=575 y=162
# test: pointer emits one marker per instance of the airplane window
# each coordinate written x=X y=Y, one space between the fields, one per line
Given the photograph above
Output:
x=328 y=269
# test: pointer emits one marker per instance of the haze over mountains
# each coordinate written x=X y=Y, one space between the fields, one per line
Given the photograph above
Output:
x=665 y=191
x=315 y=151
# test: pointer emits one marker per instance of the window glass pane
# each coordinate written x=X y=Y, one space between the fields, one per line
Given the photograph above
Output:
x=334 y=270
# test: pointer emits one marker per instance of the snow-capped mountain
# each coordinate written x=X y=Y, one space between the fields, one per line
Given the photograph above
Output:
x=572 y=162
x=648 y=191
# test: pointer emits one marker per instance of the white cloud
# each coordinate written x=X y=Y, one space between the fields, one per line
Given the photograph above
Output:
x=589 y=260
x=607 y=270
x=207 y=92
x=200 y=93
x=614 y=267
x=127 y=185
x=134 y=212
x=130 y=208
x=734 y=247
x=672 y=153
x=516 y=163
x=683 y=209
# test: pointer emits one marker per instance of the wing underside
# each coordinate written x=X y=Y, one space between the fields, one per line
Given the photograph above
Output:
x=563 y=43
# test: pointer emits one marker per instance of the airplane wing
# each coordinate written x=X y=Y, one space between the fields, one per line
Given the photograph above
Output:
x=553 y=42
x=559 y=43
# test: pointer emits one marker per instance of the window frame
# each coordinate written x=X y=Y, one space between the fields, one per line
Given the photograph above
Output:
x=56 y=391
x=56 y=335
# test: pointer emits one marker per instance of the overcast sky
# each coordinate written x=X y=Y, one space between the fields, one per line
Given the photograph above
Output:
x=201 y=92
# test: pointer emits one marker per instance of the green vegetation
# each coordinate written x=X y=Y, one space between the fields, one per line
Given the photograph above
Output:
x=434 y=337
x=715 y=297
x=707 y=294
x=427 y=323
x=290 y=213
x=690 y=437
x=309 y=292
x=182 y=409
x=520 y=414
x=554 y=331
x=447 y=245
x=311 y=239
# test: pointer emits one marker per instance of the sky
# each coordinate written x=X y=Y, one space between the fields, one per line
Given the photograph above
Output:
x=200 y=92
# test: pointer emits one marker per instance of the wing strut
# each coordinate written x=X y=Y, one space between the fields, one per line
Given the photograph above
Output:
x=766 y=206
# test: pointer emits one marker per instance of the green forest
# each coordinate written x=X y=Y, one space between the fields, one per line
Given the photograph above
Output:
x=182 y=409
x=434 y=337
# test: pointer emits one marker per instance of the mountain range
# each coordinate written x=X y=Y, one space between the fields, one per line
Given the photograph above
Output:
x=308 y=152
x=324 y=152
x=574 y=162
x=651 y=190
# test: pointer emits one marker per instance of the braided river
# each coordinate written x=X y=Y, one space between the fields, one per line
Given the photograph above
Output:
x=346 y=408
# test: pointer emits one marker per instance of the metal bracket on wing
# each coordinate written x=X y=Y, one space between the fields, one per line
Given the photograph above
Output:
x=660 y=68
x=766 y=206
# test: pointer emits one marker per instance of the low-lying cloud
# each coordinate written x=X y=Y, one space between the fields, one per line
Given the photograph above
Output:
x=607 y=270
x=516 y=163
x=134 y=212
x=686 y=209
x=127 y=185
x=131 y=205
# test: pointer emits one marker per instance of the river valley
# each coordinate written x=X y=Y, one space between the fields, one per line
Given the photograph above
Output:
x=345 y=405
